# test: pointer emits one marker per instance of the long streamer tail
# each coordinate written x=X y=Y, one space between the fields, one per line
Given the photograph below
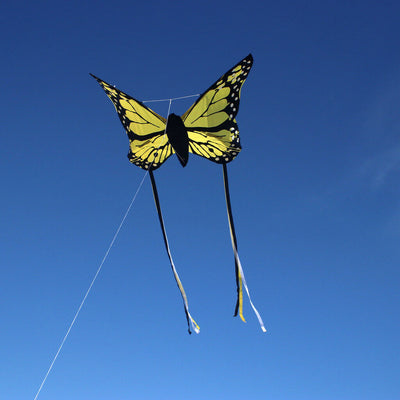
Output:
x=240 y=279
x=239 y=289
x=190 y=320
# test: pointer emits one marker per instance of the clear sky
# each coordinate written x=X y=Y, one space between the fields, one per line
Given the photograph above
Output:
x=315 y=195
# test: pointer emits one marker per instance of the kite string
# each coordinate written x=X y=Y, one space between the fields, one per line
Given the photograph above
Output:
x=90 y=286
x=101 y=264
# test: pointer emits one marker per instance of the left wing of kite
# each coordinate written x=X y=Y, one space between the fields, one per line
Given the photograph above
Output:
x=149 y=146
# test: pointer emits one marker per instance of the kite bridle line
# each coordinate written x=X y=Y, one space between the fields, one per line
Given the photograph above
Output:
x=170 y=100
x=98 y=272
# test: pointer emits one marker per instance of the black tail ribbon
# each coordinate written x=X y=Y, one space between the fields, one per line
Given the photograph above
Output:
x=239 y=290
x=189 y=319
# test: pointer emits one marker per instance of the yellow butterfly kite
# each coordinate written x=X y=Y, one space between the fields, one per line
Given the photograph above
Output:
x=208 y=129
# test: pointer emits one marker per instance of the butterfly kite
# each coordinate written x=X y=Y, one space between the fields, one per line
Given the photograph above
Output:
x=208 y=129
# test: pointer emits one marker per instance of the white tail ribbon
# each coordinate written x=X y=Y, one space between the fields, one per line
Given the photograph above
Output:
x=247 y=289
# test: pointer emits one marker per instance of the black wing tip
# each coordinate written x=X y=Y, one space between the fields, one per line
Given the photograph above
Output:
x=248 y=58
x=95 y=77
x=99 y=80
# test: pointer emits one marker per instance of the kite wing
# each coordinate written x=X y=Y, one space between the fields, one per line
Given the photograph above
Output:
x=210 y=121
x=149 y=146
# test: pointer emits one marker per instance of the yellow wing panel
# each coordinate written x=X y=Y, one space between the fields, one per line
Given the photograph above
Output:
x=210 y=121
x=150 y=153
x=149 y=146
x=221 y=146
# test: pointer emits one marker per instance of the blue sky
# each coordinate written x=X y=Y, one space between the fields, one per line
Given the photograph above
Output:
x=315 y=195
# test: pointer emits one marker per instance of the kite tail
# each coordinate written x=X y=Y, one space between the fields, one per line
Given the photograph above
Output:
x=239 y=283
x=190 y=320
x=240 y=279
